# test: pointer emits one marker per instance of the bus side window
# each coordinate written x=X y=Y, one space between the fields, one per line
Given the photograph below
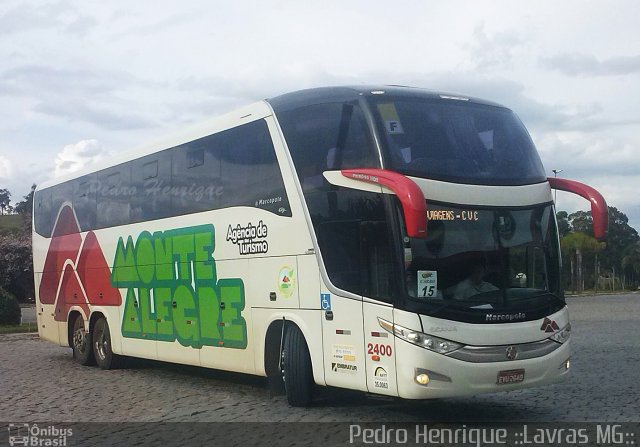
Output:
x=151 y=181
x=114 y=196
x=195 y=176
x=250 y=172
x=84 y=201
x=342 y=253
x=354 y=240
x=357 y=147
x=60 y=195
x=377 y=271
x=325 y=137
x=43 y=215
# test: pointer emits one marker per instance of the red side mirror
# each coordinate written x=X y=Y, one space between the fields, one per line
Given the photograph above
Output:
x=414 y=205
x=599 y=209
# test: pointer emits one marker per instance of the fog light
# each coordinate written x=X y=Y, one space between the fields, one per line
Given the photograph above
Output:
x=422 y=379
x=567 y=364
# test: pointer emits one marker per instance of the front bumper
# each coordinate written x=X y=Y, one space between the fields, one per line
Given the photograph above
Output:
x=452 y=377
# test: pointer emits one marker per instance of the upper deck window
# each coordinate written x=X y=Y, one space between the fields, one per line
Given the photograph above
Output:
x=326 y=137
x=456 y=141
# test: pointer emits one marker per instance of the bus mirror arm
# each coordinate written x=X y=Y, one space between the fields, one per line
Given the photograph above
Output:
x=414 y=205
x=599 y=209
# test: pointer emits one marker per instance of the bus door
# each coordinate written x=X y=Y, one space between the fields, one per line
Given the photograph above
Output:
x=379 y=344
x=342 y=323
x=358 y=351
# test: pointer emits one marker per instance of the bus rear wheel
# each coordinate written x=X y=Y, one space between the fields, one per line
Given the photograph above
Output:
x=81 y=343
x=105 y=358
x=296 y=369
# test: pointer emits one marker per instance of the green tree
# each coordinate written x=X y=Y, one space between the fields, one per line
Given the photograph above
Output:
x=563 y=223
x=26 y=205
x=5 y=199
x=580 y=251
x=581 y=221
x=631 y=263
x=16 y=265
x=25 y=208
x=621 y=236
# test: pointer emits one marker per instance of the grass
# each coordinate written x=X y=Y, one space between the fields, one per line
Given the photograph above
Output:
x=21 y=328
x=10 y=223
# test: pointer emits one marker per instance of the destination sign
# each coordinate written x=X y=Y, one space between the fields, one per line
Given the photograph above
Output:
x=468 y=215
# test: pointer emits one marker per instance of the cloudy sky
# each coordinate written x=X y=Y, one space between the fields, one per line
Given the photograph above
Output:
x=80 y=81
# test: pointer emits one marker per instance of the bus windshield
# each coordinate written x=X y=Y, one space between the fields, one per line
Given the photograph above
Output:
x=456 y=141
x=484 y=260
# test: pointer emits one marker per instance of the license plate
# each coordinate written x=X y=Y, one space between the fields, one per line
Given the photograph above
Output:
x=510 y=376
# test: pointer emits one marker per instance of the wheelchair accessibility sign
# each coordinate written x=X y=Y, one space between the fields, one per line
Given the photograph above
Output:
x=325 y=301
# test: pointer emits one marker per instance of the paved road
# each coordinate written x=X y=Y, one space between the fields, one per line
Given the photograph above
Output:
x=40 y=382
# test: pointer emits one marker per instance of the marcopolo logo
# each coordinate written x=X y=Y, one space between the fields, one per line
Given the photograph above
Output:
x=173 y=292
x=549 y=325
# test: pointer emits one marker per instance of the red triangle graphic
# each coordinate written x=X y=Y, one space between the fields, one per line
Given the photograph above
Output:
x=64 y=245
x=66 y=223
x=95 y=275
x=70 y=294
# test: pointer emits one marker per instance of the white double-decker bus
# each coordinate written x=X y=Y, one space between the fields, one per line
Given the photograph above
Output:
x=390 y=240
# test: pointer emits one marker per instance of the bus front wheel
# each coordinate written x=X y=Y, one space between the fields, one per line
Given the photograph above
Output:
x=105 y=358
x=296 y=369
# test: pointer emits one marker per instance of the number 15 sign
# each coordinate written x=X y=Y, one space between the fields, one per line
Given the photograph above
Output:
x=427 y=283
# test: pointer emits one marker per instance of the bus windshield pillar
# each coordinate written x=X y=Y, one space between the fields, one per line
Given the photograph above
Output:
x=414 y=205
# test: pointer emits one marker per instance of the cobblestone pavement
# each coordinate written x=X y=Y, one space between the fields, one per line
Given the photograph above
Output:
x=40 y=382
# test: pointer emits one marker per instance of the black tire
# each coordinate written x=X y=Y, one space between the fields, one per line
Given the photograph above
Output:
x=81 y=343
x=296 y=369
x=105 y=358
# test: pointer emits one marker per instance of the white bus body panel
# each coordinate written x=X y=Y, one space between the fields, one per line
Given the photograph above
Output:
x=380 y=349
x=481 y=195
x=491 y=334
x=288 y=237
x=467 y=378
x=47 y=326
x=343 y=339
x=231 y=359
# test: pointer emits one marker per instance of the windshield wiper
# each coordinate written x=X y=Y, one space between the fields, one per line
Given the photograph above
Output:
x=543 y=294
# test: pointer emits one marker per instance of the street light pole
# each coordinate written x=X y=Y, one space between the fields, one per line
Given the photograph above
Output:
x=555 y=191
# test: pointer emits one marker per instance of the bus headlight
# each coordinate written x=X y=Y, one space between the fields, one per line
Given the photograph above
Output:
x=423 y=379
x=562 y=335
x=436 y=344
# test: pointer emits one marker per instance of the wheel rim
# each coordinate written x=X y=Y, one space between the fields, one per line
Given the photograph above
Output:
x=80 y=340
x=101 y=344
